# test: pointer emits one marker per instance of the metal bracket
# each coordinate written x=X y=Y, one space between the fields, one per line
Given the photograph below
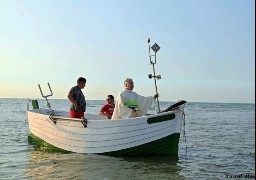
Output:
x=46 y=96
x=84 y=121
x=156 y=76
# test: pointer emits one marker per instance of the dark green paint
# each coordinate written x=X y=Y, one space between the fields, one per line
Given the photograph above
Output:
x=161 y=118
x=35 y=104
x=165 y=146
x=42 y=144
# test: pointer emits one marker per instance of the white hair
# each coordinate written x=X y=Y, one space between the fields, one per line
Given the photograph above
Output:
x=128 y=80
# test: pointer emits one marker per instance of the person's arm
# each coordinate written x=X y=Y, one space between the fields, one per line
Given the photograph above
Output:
x=104 y=112
x=101 y=112
x=70 y=97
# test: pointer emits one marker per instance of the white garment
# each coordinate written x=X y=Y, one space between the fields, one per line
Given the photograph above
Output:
x=123 y=112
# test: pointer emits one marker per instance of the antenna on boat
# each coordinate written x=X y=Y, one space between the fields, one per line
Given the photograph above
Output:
x=155 y=48
x=45 y=96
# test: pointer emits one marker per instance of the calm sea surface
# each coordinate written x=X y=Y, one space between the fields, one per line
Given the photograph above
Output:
x=220 y=142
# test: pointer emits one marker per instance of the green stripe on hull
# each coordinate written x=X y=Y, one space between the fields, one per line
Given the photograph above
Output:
x=161 y=118
x=165 y=146
x=168 y=145
x=44 y=145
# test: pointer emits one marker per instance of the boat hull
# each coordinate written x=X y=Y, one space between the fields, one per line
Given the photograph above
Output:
x=147 y=135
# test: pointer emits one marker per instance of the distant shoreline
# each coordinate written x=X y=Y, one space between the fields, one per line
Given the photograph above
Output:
x=160 y=101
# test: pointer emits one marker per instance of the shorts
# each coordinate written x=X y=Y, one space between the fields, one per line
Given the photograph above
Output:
x=74 y=114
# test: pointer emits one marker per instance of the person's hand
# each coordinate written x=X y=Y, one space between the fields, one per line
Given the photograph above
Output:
x=156 y=95
x=76 y=106
x=108 y=115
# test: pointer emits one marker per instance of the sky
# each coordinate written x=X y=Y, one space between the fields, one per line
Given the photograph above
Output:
x=207 y=49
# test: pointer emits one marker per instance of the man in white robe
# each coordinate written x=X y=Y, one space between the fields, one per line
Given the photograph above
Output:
x=129 y=104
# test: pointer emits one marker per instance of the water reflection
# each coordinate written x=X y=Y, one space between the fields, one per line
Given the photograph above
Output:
x=47 y=165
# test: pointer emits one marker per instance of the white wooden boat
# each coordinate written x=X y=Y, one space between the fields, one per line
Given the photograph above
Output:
x=153 y=134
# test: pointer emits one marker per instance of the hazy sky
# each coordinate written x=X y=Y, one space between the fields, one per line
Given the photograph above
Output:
x=207 y=48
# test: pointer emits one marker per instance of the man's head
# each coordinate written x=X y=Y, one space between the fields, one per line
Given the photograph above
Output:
x=81 y=82
x=128 y=84
x=110 y=99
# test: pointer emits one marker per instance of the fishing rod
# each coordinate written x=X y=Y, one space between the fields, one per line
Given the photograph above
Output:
x=155 y=48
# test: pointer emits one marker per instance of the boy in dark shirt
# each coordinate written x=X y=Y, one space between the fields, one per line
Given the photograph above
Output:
x=77 y=99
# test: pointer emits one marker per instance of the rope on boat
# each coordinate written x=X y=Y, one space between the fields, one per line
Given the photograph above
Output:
x=84 y=121
x=176 y=107
x=184 y=133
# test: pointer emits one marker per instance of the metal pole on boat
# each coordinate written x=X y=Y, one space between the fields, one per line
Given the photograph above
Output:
x=45 y=96
x=155 y=48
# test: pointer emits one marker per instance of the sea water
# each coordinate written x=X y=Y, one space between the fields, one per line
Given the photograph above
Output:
x=218 y=143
